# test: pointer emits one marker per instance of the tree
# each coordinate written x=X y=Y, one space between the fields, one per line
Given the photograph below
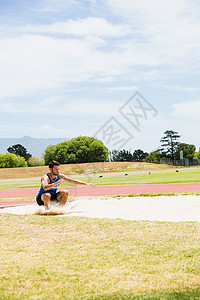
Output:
x=19 y=150
x=122 y=155
x=35 y=161
x=197 y=155
x=154 y=157
x=139 y=155
x=125 y=155
x=115 y=155
x=188 y=151
x=169 y=143
x=50 y=153
x=82 y=149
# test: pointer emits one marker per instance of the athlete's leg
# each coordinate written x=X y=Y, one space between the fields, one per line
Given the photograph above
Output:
x=46 y=199
x=62 y=197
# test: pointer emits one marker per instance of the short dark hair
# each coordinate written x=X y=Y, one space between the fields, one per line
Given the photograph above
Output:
x=53 y=163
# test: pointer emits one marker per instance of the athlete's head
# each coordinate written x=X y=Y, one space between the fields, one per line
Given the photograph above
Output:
x=54 y=167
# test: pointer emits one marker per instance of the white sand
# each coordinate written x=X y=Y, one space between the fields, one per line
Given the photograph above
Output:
x=162 y=208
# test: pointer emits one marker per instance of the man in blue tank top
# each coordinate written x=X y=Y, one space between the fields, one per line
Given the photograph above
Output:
x=50 y=183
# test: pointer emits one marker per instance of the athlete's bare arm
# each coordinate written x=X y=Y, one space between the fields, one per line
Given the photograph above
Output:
x=75 y=181
x=45 y=183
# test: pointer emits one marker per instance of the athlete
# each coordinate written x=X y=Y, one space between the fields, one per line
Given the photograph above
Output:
x=50 y=183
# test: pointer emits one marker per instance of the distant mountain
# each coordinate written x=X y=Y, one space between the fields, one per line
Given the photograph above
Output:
x=34 y=146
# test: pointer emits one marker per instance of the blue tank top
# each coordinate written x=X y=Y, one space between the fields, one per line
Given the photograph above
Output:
x=53 y=190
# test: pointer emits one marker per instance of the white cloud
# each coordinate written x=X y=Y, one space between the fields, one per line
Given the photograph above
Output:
x=32 y=63
x=42 y=131
x=63 y=107
x=155 y=33
x=186 y=110
x=167 y=29
x=122 y=88
x=55 y=6
x=152 y=12
x=155 y=16
x=150 y=75
x=83 y=27
x=50 y=65
x=105 y=79
x=181 y=88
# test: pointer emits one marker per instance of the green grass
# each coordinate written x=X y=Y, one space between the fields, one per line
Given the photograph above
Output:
x=119 y=178
x=81 y=258
x=145 y=177
x=20 y=183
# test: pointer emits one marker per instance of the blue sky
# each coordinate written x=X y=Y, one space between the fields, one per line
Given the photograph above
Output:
x=68 y=67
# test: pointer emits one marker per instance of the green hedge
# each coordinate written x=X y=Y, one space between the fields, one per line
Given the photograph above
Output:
x=11 y=160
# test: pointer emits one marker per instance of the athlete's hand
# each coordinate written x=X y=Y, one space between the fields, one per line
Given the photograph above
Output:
x=60 y=181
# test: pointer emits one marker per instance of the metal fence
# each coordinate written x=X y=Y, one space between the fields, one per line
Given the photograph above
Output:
x=185 y=162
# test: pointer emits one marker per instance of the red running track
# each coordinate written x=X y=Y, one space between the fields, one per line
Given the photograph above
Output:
x=106 y=190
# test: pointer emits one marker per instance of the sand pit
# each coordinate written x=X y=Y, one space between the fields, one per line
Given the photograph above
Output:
x=162 y=208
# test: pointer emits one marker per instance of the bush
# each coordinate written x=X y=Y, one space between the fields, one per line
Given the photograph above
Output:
x=11 y=160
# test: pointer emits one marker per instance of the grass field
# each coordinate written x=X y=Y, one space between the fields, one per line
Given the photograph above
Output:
x=80 y=258
x=144 y=177
x=148 y=176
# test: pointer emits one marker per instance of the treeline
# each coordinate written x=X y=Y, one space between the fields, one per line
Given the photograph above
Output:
x=85 y=149
x=82 y=149
x=157 y=156
x=125 y=155
x=170 y=150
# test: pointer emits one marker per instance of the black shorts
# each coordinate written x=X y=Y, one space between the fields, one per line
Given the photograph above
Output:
x=53 y=198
